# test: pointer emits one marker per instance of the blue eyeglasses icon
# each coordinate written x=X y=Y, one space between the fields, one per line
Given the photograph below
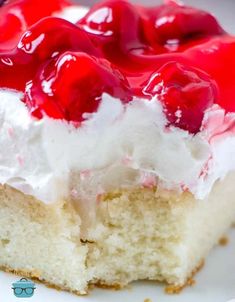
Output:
x=23 y=288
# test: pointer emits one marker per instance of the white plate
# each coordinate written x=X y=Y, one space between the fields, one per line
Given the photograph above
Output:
x=214 y=283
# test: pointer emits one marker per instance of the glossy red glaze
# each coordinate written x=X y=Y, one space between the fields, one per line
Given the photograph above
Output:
x=72 y=86
x=142 y=43
x=46 y=39
x=17 y=15
x=174 y=25
x=185 y=94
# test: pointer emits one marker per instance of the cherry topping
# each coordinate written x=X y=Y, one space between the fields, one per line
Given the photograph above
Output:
x=172 y=24
x=65 y=68
x=115 y=26
x=185 y=93
x=42 y=41
x=72 y=84
x=17 y=15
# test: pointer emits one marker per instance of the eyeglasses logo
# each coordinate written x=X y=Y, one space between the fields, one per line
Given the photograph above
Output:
x=23 y=288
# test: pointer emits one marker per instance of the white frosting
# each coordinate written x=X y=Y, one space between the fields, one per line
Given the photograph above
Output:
x=118 y=146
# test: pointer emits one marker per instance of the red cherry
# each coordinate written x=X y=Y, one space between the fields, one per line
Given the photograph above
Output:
x=42 y=41
x=217 y=58
x=173 y=24
x=17 y=15
x=115 y=26
x=51 y=36
x=185 y=93
x=72 y=84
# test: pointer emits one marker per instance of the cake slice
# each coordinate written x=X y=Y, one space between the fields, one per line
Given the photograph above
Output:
x=118 y=143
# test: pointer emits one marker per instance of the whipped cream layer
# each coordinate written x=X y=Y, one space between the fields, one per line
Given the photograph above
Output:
x=119 y=146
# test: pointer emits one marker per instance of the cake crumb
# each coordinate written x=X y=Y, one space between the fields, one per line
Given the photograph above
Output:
x=223 y=241
x=177 y=289
x=174 y=289
x=147 y=300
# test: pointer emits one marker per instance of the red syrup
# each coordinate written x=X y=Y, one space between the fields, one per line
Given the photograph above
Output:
x=70 y=77
x=17 y=15
x=175 y=53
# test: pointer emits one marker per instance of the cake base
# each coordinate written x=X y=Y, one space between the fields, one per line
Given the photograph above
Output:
x=138 y=234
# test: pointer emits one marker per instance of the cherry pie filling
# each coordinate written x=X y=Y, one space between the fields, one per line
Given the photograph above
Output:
x=174 y=54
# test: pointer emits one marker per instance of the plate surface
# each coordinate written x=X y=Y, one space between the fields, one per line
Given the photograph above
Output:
x=214 y=283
